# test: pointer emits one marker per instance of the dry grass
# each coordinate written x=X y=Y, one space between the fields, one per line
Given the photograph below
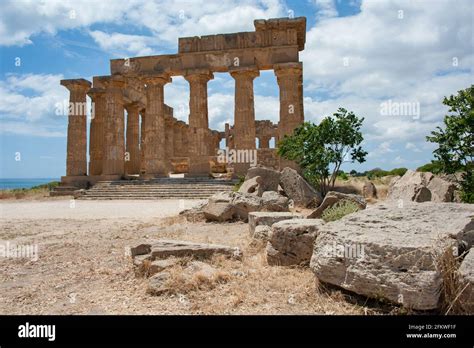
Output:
x=452 y=288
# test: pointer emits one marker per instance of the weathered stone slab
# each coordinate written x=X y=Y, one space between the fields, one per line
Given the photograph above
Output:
x=441 y=190
x=369 y=190
x=411 y=187
x=165 y=248
x=270 y=177
x=273 y=201
x=333 y=197
x=252 y=186
x=392 y=253
x=269 y=218
x=296 y=188
x=466 y=274
x=291 y=241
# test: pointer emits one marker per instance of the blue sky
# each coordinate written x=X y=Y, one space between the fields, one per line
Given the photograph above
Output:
x=359 y=55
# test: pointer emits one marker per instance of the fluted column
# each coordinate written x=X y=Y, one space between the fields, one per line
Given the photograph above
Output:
x=289 y=78
x=96 y=132
x=198 y=123
x=155 y=164
x=76 y=161
x=142 y=141
x=132 y=164
x=244 y=113
x=114 y=138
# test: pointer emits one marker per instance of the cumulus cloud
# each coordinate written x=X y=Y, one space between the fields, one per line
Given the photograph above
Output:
x=28 y=104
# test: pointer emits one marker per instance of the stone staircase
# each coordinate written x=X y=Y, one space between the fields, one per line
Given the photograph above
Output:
x=162 y=188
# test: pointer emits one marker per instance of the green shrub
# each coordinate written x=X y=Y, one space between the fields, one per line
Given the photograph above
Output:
x=342 y=176
x=434 y=167
x=237 y=185
x=398 y=171
x=339 y=210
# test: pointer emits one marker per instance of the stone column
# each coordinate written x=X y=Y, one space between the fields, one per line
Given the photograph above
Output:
x=155 y=164
x=76 y=161
x=289 y=77
x=264 y=142
x=114 y=140
x=132 y=164
x=169 y=140
x=96 y=135
x=142 y=141
x=244 y=114
x=178 y=138
x=198 y=123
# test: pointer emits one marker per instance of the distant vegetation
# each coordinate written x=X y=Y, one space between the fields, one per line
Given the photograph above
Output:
x=378 y=173
x=24 y=192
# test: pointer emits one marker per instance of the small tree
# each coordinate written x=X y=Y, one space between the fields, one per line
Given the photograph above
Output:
x=456 y=142
x=318 y=147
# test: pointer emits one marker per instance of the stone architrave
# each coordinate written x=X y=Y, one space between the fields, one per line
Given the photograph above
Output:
x=132 y=164
x=244 y=113
x=76 y=162
x=154 y=135
x=199 y=140
x=96 y=140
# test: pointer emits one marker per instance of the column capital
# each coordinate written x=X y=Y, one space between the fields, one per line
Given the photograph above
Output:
x=198 y=75
x=76 y=84
x=96 y=92
x=285 y=69
x=111 y=81
x=156 y=79
x=244 y=72
x=133 y=107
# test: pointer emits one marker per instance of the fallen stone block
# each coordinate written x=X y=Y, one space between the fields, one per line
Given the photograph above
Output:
x=411 y=187
x=157 y=284
x=393 y=253
x=369 y=190
x=466 y=275
x=270 y=177
x=273 y=201
x=252 y=186
x=333 y=197
x=165 y=248
x=291 y=241
x=298 y=189
x=269 y=218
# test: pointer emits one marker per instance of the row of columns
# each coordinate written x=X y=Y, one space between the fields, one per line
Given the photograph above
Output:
x=161 y=136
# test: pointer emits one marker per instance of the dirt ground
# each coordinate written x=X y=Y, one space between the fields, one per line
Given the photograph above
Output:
x=84 y=267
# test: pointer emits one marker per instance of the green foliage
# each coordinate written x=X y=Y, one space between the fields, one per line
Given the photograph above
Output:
x=315 y=148
x=353 y=172
x=238 y=184
x=343 y=176
x=434 y=167
x=378 y=173
x=339 y=210
x=455 y=150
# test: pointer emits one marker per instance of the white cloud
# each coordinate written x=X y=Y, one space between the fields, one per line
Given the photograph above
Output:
x=124 y=45
x=166 y=20
x=28 y=104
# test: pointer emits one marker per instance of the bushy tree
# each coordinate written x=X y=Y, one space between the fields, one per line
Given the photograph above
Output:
x=434 y=167
x=321 y=149
x=456 y=142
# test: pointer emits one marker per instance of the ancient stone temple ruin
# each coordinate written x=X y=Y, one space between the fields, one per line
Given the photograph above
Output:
x=150 y=142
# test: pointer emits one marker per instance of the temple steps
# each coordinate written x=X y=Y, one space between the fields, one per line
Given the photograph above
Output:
x=162 y=188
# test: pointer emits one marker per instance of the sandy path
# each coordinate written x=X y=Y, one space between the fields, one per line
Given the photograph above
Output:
x=84 y=209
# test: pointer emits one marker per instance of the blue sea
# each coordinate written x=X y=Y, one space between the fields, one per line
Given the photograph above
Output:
x=8 y=184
